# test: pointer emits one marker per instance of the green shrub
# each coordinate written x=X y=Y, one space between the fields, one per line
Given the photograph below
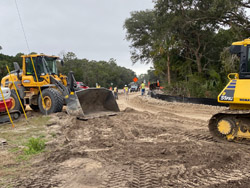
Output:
x=34 y=145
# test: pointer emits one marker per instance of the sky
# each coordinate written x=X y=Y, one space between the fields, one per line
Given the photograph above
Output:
x=92 y=29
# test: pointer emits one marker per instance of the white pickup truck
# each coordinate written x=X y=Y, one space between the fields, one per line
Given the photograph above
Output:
x=134 y=88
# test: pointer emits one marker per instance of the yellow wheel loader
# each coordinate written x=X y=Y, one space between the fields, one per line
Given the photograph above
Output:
x=41 y=87
x=234 y=123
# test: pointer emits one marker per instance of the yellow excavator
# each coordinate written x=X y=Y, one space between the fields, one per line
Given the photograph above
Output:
x=234 y=123
x=41 y=87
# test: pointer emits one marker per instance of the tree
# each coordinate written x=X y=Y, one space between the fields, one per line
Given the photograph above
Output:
x=8 y=60
x=195 y=23
x=140 y=27
x=101 y=72
x=184 y=39
x=149 y=43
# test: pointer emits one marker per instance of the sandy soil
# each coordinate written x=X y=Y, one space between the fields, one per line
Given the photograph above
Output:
x=149 y=144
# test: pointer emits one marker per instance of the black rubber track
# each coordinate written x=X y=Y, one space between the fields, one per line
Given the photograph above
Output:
x=234 y=114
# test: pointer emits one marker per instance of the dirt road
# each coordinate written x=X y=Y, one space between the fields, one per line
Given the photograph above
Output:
x=149 y=144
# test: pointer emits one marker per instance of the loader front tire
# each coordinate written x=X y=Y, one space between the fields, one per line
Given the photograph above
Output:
x=53 y=101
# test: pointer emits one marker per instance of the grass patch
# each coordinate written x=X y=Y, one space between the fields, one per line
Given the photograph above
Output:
x=35 y=127
x=34 y=146
x=24 y=141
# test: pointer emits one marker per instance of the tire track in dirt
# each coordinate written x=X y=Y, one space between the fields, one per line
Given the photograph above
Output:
x=42 y=178
x=117 y=179
x=199 y=137
x=140 y=175
x=145 y=175
x=205 y=177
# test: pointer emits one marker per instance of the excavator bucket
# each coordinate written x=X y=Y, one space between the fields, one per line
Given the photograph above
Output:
x=92 y=102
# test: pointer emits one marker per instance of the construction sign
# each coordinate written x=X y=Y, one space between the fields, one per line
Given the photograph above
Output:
x=135 y=79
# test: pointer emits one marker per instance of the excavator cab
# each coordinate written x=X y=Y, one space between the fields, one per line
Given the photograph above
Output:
x=237 y=92
x=243 y=52
x=234 y=123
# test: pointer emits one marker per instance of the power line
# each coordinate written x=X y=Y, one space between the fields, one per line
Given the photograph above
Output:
x=25 y=37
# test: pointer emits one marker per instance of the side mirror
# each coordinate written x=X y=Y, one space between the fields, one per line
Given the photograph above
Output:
x=17 y=70
x=16 y=66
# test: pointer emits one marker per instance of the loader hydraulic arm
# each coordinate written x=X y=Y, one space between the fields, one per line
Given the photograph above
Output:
x=71 y=82
x=71 y=99
x=64 y=90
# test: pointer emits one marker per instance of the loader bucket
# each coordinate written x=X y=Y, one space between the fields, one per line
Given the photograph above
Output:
x=96 y=102
x=73 y=106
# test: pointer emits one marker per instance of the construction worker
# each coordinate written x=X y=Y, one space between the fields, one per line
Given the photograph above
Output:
x=142 y=88
x=97 y=85
x=158 y=83
x=126 y=91
x=116 y=93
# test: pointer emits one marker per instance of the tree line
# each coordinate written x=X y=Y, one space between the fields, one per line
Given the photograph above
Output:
x=90 y=72
x=187 y=42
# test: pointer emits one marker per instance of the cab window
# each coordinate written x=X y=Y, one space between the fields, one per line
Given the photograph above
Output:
x=29 y=66
x=248 y=59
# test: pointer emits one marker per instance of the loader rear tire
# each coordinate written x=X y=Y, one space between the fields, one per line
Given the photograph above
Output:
x=15 y=102
x=53 y=101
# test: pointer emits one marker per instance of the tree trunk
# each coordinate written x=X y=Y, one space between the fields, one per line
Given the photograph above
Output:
x=168 y=69
x=198 y=61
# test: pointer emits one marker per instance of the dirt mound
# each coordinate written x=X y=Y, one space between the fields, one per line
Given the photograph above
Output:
x=128 y=109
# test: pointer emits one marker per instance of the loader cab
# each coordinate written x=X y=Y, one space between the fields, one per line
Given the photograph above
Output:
x=44 y=66
x=242 y=49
